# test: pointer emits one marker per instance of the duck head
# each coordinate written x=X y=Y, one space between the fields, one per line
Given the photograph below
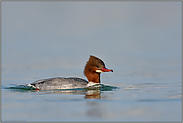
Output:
x=93 y=68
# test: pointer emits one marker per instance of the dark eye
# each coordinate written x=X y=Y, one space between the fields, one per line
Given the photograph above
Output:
x=97 y=66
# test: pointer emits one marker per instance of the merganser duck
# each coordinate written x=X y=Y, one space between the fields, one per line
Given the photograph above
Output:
x=93 y=68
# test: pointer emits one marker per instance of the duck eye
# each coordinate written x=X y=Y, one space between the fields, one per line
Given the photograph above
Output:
x=97 y=66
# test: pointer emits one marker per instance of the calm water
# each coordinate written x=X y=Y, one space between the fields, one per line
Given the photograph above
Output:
x=138 y=98
x=55 y=39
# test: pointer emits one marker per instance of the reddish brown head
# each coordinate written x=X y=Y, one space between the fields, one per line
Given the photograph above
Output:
x=93 y=68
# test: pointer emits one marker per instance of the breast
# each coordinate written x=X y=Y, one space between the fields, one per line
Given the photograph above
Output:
x=60 y=83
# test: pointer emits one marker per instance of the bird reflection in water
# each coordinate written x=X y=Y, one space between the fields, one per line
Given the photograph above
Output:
x=93 y=94
x=88 y=94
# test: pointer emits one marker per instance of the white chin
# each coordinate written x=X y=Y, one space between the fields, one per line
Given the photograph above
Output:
x=99 y=71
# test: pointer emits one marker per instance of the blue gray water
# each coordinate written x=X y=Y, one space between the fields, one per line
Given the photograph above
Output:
x=55 y=39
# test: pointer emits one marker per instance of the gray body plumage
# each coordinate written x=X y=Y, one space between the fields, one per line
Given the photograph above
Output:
x=59 y=83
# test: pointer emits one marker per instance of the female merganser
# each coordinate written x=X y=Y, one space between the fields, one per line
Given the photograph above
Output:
x=93 y=68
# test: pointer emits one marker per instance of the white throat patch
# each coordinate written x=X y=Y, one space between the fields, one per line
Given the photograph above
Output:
x=99 y=71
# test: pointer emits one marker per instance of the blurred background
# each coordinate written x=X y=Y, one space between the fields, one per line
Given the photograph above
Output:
x=61 y=36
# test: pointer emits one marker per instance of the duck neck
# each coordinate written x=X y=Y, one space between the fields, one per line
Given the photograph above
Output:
x=93 y=77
